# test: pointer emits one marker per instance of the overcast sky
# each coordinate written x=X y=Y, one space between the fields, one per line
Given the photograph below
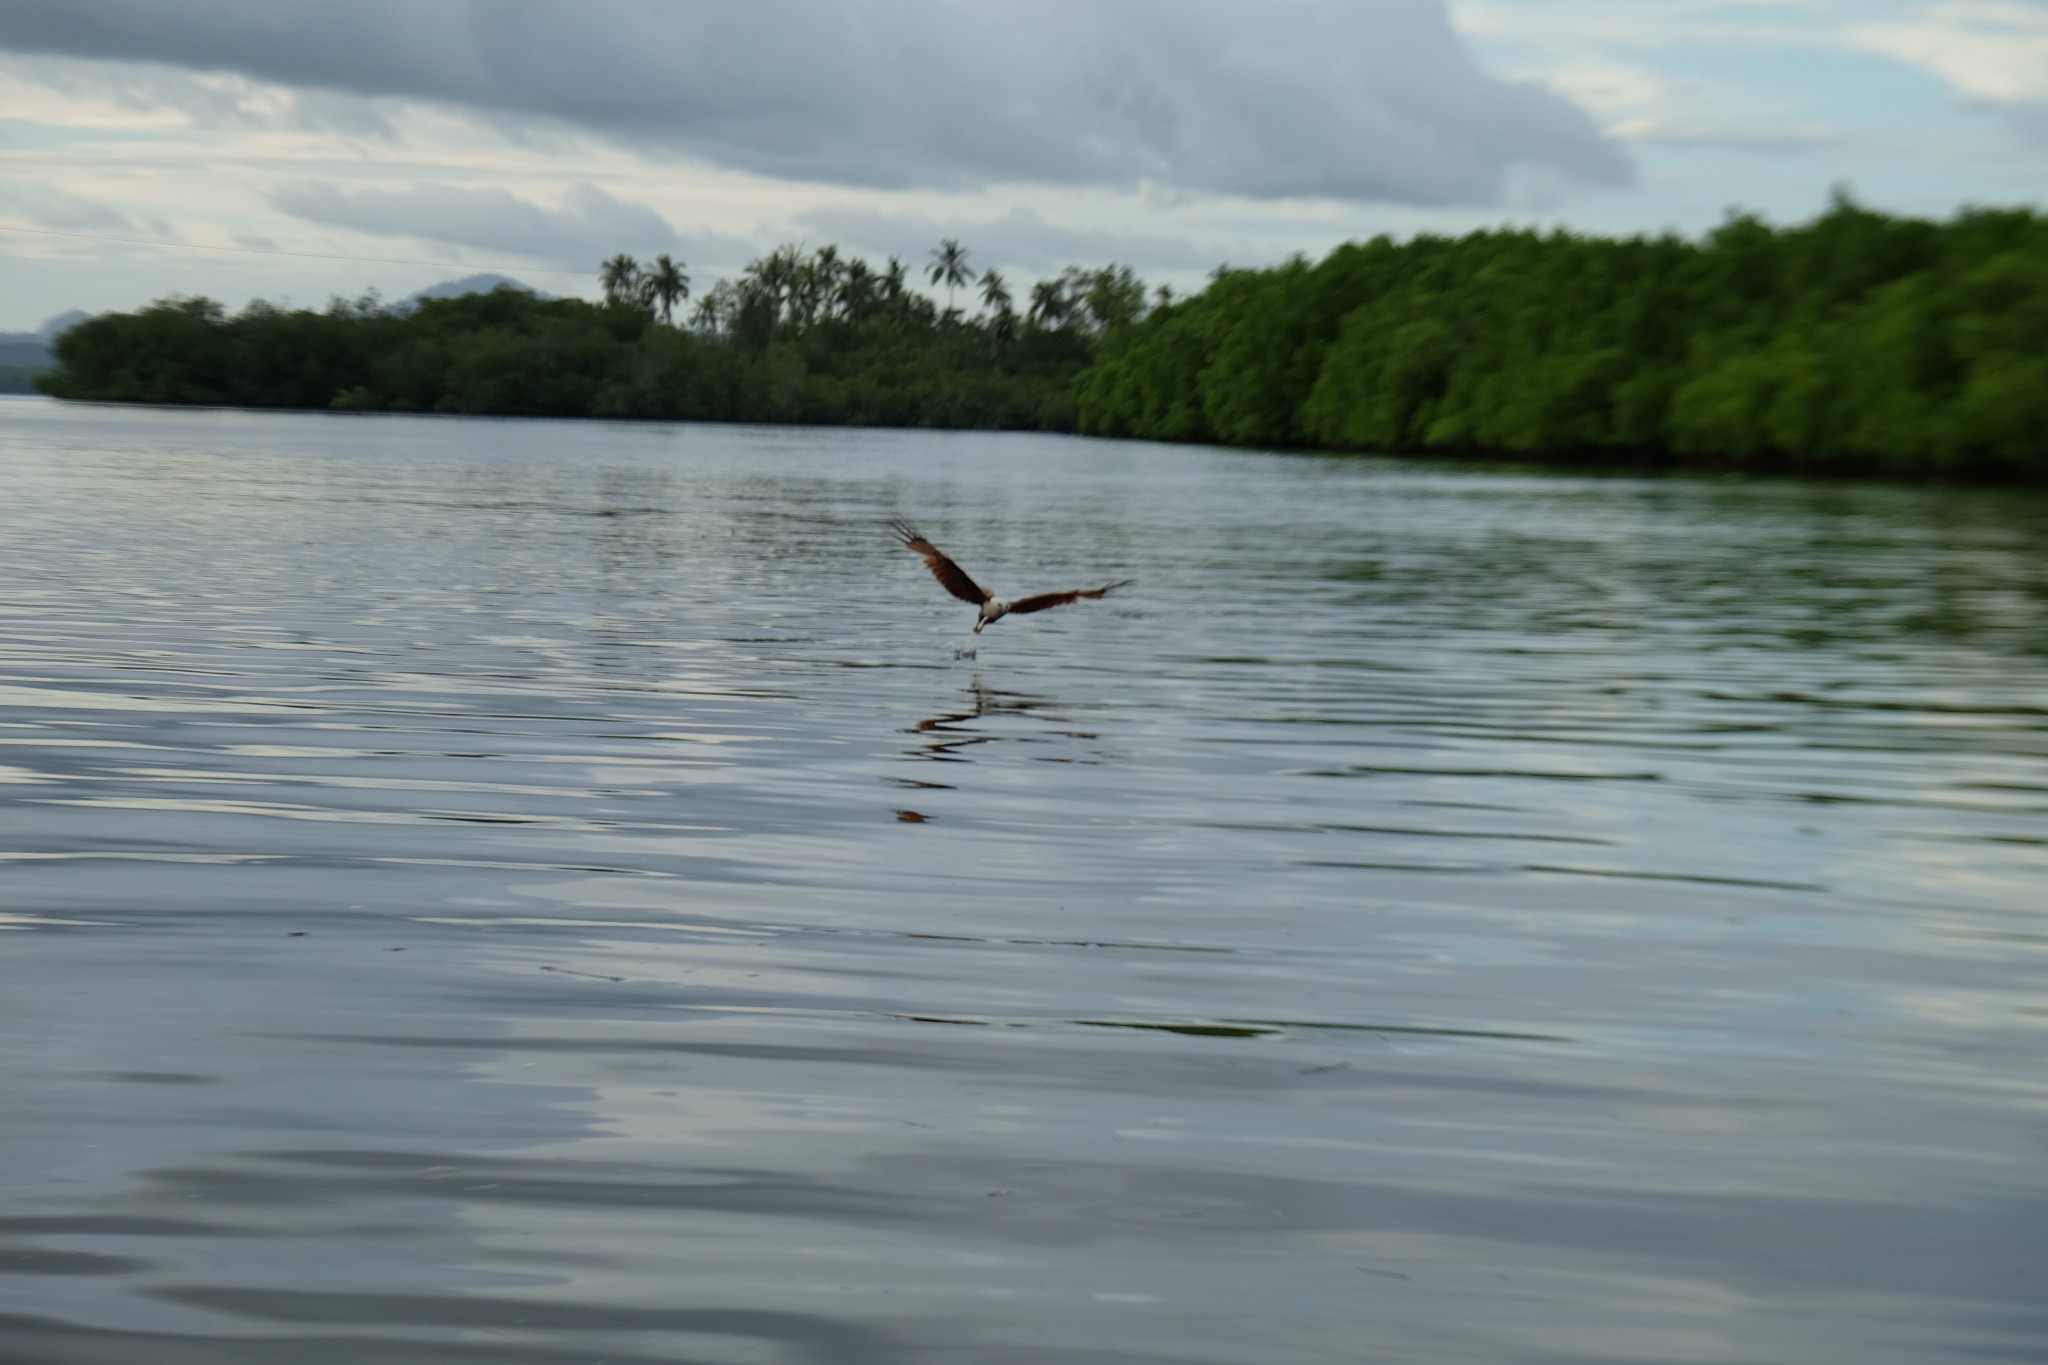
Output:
x=535 y=137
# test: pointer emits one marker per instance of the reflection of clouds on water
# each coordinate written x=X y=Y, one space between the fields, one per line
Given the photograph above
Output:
x=165 y=1117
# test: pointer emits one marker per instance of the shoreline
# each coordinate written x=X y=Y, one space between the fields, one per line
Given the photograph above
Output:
x=1600 y=463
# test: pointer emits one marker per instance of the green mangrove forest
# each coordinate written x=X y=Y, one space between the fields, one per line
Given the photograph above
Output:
x=1859 y=341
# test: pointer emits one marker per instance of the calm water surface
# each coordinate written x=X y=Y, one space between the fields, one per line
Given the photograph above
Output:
x=501 y=893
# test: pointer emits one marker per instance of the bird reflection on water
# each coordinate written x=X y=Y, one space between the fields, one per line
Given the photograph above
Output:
x=953 y=731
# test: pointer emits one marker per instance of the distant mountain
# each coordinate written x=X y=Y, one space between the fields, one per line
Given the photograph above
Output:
x=62 y=323
x=31 y=350
x=470 y=284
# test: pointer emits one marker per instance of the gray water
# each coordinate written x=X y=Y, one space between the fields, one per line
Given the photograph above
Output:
x=502 y=893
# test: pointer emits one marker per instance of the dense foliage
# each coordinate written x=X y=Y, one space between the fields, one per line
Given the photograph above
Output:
x=1857 y=341
x=17 y=379
x=803 y=338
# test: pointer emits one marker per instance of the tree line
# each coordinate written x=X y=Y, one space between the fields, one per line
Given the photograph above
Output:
x=799 y=336
x=1857 y=341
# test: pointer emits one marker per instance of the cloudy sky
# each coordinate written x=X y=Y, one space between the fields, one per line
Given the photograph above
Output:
x=295 y=149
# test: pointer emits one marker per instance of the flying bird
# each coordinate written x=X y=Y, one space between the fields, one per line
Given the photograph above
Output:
x=954 y=580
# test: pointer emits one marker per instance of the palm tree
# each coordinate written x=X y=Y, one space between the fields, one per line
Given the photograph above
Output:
x=816 y=285
x=773 y=279
x=1002 y=330
x=995 y=294
x=710 y=313
x=669 y=284
x=1114 y=298
x=894 y=295
x=856 y=296
x=621 y=277
x=1048 y=303
x=949 y=267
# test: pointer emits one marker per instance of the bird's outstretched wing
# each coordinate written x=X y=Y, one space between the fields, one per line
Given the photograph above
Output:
x=951 y=576
x=1045 y=600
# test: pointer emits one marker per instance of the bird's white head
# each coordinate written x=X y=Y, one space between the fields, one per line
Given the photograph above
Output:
x=992 y=611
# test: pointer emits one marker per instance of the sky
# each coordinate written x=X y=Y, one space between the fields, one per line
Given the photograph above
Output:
x=296 y=150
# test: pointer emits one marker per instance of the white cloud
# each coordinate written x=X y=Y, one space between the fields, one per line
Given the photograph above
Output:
x=72 y=93
x=1668 y=75
x=449 y=131
x=588 y=226
x=1610 y=87
x=62 y=212
x=1992 y=53
x=49 y=207
x=1990 y=50
x=1020 y=238
x=1778 y=141
x=1356 y=100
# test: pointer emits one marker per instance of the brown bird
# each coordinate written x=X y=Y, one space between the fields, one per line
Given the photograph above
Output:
x=954 y=580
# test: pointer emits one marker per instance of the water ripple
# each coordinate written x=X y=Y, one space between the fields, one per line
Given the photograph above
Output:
x=505 y=893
